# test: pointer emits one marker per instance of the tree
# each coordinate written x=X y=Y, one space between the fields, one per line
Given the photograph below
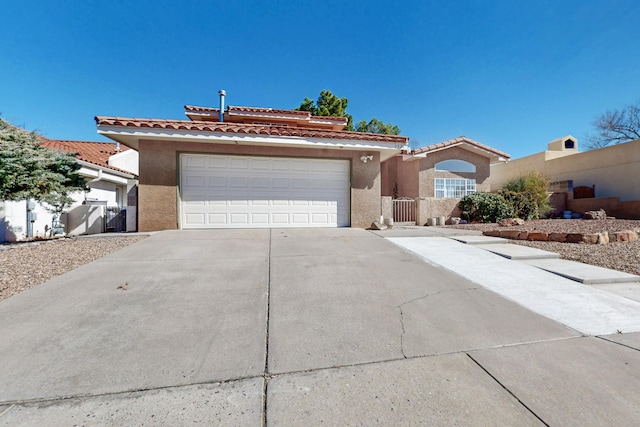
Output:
x=31 y=171
x=376 y=126
x=329 y=104
x=615 y=126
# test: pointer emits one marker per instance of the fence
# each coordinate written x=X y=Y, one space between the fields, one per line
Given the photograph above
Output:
x=404 y=211
x=115 y=220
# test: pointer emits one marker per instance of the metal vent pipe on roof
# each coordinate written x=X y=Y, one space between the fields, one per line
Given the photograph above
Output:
x=222 y=94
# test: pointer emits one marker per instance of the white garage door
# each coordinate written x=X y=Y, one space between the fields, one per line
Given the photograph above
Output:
x=219 y=191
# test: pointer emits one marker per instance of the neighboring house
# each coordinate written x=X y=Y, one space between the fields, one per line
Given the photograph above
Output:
x=438 y=176
x=611 y=172
x=253 y=168
x=110 y=172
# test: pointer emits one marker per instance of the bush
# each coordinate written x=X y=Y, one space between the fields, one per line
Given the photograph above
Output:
x=528 y=195
x=484 y=207
x=523 y=204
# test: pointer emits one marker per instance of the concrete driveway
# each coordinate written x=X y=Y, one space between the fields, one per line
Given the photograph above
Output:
x=297 y=327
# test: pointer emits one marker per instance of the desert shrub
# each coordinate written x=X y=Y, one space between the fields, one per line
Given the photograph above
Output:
x=523 y=204
x=484 y=207
x=528 y=195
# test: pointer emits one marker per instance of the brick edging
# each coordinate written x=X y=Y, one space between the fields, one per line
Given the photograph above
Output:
x=591 y=238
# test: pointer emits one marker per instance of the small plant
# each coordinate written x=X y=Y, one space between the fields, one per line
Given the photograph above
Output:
x=528 y=195
x=484 y=207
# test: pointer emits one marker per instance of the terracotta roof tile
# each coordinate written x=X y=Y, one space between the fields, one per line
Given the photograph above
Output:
x=97 y=153
x=460 y=140
x=251 y=129
x=243 y=109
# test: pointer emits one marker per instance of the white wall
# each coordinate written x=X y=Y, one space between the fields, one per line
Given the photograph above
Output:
x=125 y=160
x=84 y=219
x=15 y=221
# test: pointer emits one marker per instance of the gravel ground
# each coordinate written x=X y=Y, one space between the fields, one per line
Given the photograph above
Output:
x=24 y=265
x=616 y=256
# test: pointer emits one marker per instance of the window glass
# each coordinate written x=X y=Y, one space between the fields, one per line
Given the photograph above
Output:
x=454 y=187
x=455 y=165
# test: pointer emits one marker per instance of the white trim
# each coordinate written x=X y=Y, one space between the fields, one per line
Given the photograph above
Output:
x=113 y=132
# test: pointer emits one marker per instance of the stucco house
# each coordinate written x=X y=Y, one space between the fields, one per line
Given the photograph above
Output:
x=247 y=167
x=437 y=176
x=110 y=172
x=611 y=172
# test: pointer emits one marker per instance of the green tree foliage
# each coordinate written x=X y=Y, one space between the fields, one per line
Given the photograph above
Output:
x=329 y=104
x=376 y=126
x=615 y=127
x=528 y=195
x=31 y=171
x=484 y=207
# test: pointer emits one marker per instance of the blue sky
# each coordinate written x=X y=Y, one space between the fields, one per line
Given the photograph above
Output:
x=510 y=74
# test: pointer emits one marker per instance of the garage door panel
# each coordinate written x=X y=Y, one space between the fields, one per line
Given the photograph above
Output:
x=230 y=191
x=239 y=163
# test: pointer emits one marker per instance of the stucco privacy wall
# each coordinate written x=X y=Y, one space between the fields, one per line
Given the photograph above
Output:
x=158 y=186
x=404 y=174
x=613 y=170
x=428 y=174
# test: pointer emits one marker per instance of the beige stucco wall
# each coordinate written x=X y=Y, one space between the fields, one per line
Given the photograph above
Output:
x=158 y=186
x=427 y=173
x=429 y=207
x=613 y=170
x=501 y=173
x=404 y=174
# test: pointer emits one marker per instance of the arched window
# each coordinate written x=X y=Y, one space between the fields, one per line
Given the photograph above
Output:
x=455 y=165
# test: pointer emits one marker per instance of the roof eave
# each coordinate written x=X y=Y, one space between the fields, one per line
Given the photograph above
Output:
x=130 y=137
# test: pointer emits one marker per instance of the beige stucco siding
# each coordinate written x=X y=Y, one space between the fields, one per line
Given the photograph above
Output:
x=400 y=173
x=158 y=188
x=614 y=170
x=428 y=174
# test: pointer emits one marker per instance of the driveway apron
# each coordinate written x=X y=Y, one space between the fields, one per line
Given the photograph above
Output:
x=290 y=327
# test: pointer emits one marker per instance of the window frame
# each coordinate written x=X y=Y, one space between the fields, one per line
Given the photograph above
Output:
x=453 y=188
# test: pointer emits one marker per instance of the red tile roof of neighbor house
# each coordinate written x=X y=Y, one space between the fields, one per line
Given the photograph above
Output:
x=96 y=153
x=458 y=141
x=242 y=109
x=247 y=129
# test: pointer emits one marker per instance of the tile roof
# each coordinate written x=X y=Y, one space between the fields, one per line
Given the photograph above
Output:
x=97 y=153
x=458 y=141
x=243 y=109
x=249 y=129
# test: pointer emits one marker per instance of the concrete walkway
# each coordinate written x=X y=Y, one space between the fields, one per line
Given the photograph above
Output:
x=306 y=327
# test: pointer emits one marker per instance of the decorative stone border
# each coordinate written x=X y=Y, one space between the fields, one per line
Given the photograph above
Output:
x=593 y=238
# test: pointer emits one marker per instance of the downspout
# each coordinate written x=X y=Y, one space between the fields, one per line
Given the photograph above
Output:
x=222 y=94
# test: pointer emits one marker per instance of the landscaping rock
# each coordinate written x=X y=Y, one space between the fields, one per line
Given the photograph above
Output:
x=454 y=220
x=574 y=238
x=509 y=234
x=557 y=237
x=596 y=238
x=538 y=236
x=377 y=225
x=599 y=214
x=626 y=236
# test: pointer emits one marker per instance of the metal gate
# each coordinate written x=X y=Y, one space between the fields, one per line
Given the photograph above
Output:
x=404 y=211
x=115 y=220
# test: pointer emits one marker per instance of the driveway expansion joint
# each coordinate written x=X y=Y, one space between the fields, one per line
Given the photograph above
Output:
x=507 y=390
x=265 y=375
x=122 y=392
